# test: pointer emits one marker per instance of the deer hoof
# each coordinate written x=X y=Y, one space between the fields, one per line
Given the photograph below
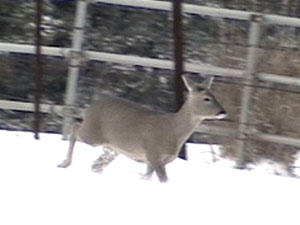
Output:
x=64 y=164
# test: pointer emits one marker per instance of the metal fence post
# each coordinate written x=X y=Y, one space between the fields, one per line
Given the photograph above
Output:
x=39 y=70
x=75 y=58
x=253 y=41
x=178 y=60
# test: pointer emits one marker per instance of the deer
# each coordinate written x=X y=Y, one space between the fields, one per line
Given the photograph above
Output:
x=144 y=135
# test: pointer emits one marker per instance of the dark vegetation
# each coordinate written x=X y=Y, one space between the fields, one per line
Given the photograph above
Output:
x=219 y=42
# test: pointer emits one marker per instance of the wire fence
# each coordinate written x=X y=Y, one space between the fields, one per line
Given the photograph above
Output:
x=242 y=77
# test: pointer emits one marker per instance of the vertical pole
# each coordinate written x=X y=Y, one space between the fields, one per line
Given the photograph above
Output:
x=39 y=70
x=178 y=58
x=74 y=65
x=253 y=41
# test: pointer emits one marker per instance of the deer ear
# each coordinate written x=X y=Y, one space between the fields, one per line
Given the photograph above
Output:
x=189 y=83
x=206 y=84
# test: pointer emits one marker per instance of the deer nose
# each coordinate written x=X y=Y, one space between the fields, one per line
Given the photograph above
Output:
x=222 y=115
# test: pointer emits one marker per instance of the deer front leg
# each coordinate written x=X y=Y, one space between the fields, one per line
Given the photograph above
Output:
x=67 y=162
x=161 y=173
x=148 y=173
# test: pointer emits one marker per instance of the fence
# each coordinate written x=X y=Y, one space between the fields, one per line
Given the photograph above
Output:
x=248 y=75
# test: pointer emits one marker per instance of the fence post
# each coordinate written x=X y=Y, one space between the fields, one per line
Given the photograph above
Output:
x=74 y=65
x=39 y=70
x=178 y=60
x=253 y=42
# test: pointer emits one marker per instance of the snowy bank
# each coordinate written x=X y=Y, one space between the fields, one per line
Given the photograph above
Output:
x=34 y=191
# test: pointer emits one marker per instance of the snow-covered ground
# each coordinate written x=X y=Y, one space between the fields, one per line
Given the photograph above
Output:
x=34 y=191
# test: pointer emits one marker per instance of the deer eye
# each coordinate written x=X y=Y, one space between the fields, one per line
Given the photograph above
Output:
x=207 y=99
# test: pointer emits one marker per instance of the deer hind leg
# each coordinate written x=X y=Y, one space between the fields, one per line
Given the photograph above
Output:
x=104 y=160
x=74 y=133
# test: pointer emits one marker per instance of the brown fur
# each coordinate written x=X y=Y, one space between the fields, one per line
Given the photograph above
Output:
x=144 y=135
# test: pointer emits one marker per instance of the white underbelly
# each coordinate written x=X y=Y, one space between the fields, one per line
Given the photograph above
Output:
x=132 y=153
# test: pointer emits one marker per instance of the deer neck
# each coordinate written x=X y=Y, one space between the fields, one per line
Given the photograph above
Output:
x=186 y=122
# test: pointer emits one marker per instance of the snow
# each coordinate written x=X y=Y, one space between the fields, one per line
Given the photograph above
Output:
x=34 y=191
